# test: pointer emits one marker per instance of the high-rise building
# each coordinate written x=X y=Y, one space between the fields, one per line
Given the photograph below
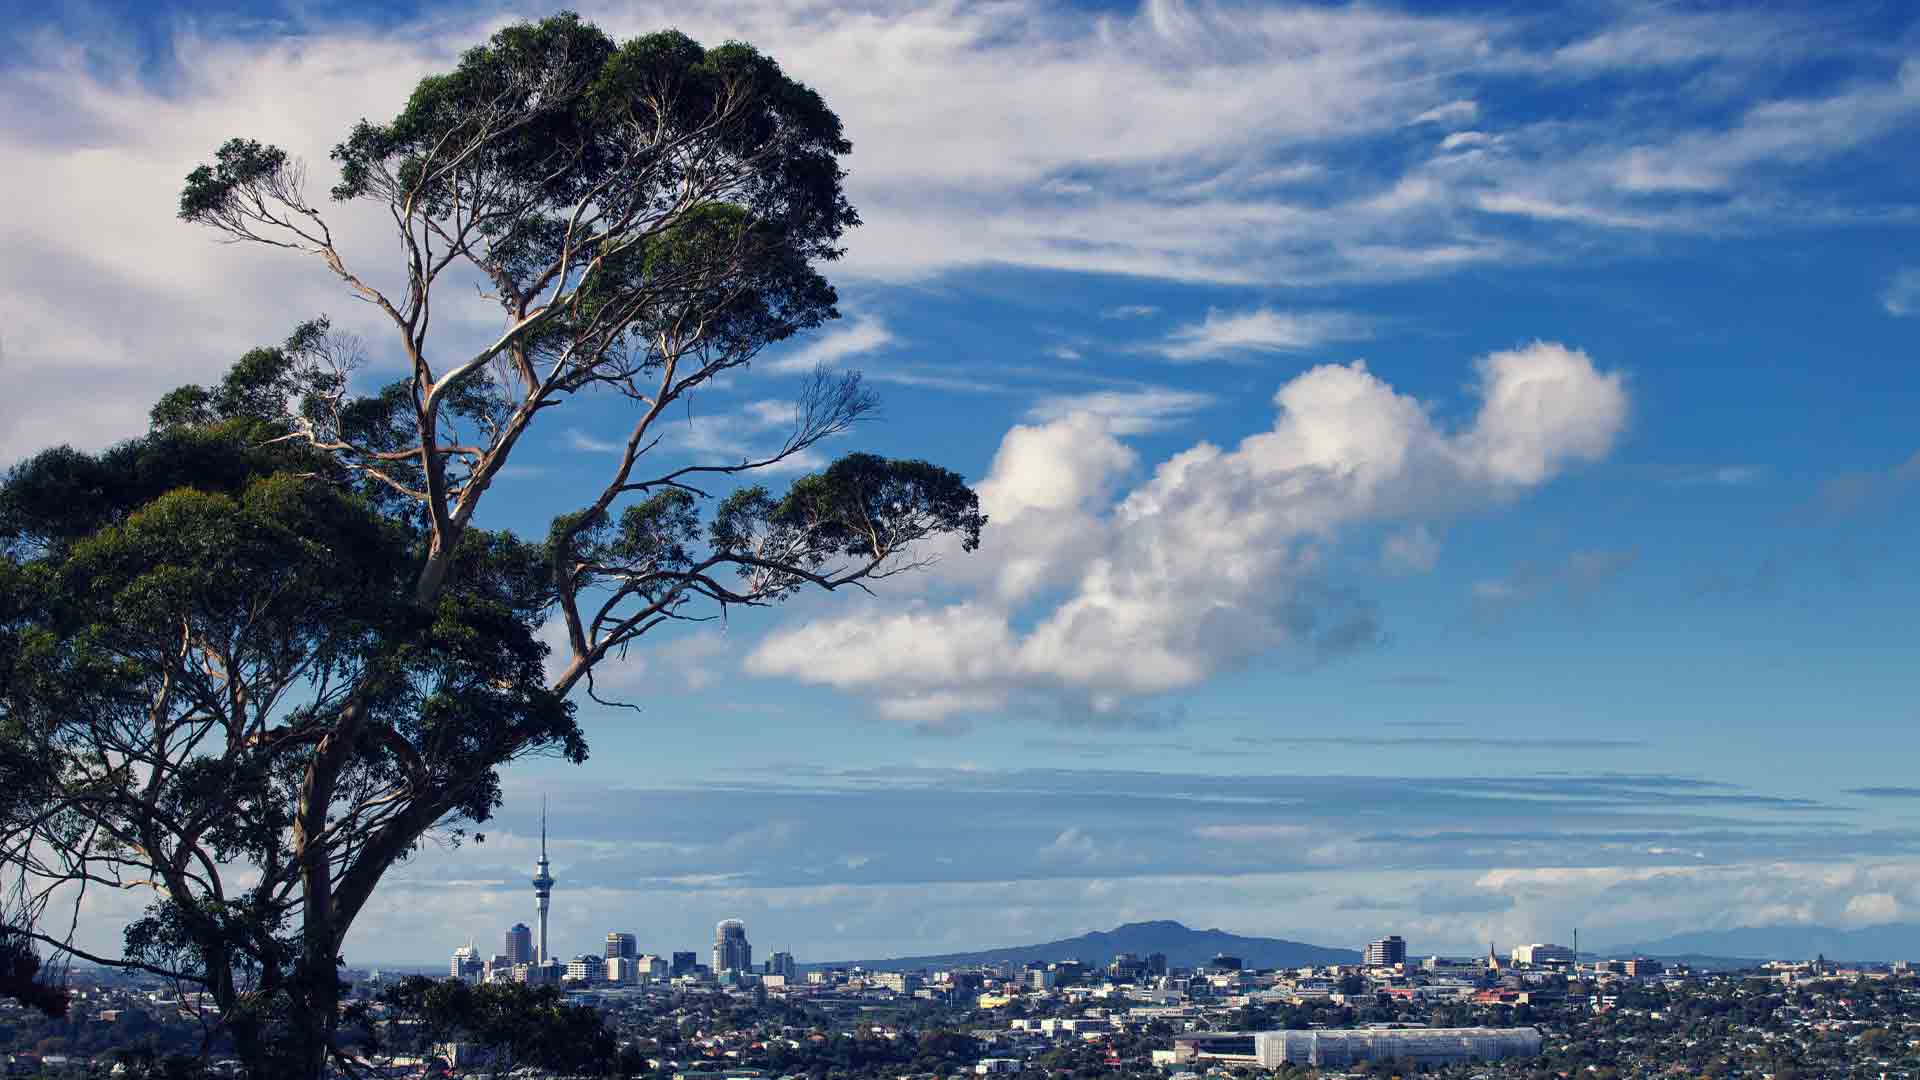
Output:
x=467 y=964
x=730 y=949
x=622 y=946
x=683 y=964
x=782 y=964
x=1386 y=952
x=543 y=888
x=519 y=944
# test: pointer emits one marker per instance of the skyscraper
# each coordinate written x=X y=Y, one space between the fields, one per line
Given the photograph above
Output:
x=519 y=944
x=683 y=963
x=622 y=946
x=783 y=964
x=467 y=964
x=1386 y=952
x=543 y=886
x=730 y=949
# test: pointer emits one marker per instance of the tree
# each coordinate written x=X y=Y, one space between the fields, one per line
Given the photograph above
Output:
x=25 y=794
x=265 y=649
x=512 y=1024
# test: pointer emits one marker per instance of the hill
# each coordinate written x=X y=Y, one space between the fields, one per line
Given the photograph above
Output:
x=1892 y=941
x=1184 y=946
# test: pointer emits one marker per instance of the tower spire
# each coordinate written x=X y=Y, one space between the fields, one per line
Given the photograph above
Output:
x=542 y=887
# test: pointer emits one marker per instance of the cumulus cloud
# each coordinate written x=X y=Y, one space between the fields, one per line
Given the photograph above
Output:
x=1213 y=561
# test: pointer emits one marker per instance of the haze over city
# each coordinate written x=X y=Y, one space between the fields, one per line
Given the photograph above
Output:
x=1450 y=468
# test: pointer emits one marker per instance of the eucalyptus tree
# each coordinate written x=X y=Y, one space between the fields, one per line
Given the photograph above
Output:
x=267 y=648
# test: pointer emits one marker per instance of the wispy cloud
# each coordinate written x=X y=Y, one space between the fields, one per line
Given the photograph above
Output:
x=575 y=439
x=860 y=336
x=1127 y=412
x=1230 y=334
x=1463 y=111
x=1576 y=577
x=1860 y=490
x=1901 y=297
x=1732 y=476
x=1130 y=311
x=1461 y=742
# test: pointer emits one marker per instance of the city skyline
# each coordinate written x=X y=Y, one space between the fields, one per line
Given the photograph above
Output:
x=1449 y=467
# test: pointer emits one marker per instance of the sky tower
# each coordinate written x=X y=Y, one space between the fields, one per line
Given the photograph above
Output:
x=542 y=887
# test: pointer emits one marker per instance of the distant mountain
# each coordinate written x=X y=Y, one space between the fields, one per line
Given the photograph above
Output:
x=1893 y=941
x=1185 y=947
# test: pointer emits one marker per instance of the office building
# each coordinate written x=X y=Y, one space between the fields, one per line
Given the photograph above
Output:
x=652 y=967
x=1387 y=952
x=730 y=949
x=1541 y=955
x=1341 y=1048
x=683 y=964
x=586 y=968
x=782 y=964
x=519 y=944
x=467 y=965
x=900 y=982
x=1224 y=962
x=622 y=946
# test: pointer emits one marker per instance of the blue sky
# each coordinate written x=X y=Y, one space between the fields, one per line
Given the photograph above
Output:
x=1585 y=600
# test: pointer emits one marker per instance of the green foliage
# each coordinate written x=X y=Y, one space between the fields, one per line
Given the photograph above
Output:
x=517 y=1024
x=240 y=167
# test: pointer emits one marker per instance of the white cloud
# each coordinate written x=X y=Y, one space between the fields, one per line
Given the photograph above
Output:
x=1204 y=133
x=1130 y=311
x=575 y=439
x=1126 y=412
x=1468 y=140
x=1223 y=334
x=1213 y=561
x=860 y=335
x=1464 y=111
x=1410 y=551
x=1901 y=297
x=1719 y=476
